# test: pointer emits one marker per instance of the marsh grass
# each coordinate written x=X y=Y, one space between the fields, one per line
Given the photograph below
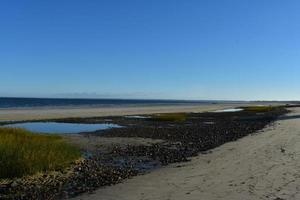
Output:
x=260 y=108
x=24 y=153
x=173 y=117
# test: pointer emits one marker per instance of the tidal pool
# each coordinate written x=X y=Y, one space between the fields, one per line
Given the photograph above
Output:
x=137 y=117
x=229 y=110
x=60 y=128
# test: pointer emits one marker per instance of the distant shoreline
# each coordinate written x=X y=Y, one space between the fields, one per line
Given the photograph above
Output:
x=65 y=112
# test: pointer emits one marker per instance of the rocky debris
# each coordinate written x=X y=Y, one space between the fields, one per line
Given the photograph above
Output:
x=91 y=174
x=84 y=176
x=186 y=139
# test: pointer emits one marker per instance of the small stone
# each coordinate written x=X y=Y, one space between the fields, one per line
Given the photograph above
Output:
x=14 y=184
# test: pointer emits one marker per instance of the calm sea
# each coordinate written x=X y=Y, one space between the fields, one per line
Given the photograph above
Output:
x=6 y=103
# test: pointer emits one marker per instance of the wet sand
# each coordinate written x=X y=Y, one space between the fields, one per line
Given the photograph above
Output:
x=55 y=113
x=265 y=165
x=93 y=143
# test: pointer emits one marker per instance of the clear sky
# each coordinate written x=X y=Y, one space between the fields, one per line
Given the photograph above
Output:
x=174 y=49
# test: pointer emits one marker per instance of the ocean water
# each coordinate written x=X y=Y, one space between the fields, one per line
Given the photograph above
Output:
x=6 y=103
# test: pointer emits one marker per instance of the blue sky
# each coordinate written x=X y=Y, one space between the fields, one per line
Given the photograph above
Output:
x=174 y=49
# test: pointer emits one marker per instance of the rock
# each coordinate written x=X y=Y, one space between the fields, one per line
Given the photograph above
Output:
x=14 y=184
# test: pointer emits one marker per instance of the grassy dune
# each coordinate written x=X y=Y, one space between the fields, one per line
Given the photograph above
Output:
x=24 y=153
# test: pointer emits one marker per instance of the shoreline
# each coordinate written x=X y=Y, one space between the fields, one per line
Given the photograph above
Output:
x=262 y=165
x=114 y=155
x=59 y=113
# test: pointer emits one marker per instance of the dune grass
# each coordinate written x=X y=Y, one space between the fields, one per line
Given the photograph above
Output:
x=24 y=153
x=173 y=117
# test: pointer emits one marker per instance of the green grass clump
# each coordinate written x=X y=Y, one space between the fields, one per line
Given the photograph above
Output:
x=259 y=108
x=24 y=153
x=173 y=117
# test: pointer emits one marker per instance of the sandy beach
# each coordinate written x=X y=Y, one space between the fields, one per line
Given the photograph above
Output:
x=145 y=158
x=50 y=113
x=264 y=165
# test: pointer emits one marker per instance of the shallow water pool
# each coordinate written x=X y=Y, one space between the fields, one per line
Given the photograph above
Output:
x=60 y=128
x=137 y=117
x=229 y=110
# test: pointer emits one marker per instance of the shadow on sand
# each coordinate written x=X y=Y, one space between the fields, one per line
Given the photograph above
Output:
x=288 y=117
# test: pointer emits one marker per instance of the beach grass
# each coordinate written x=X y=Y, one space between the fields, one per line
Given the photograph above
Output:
x=173 y=117
x=24 y=153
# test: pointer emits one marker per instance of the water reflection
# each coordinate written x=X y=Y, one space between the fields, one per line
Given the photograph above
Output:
x=54 y=127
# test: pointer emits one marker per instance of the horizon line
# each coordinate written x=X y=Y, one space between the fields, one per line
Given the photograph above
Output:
x=143 y=99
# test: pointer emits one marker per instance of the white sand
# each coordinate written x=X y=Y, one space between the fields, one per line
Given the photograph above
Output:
x=50 y=113
x=262 y=166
